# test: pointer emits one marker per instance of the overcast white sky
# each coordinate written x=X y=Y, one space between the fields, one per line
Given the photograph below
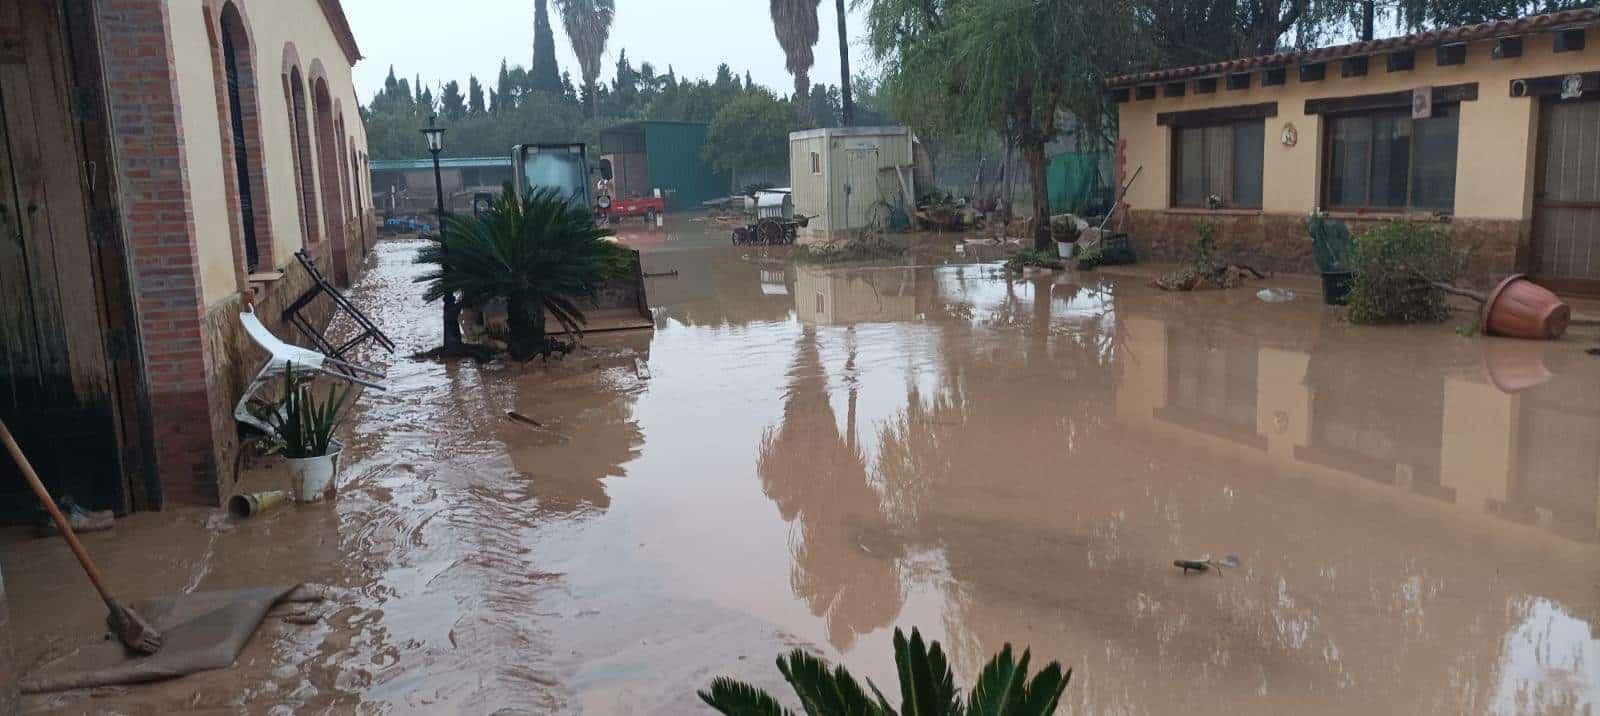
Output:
x=443 y=40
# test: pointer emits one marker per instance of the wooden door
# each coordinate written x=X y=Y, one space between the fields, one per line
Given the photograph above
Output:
x=56 y=387
x=1566 y=221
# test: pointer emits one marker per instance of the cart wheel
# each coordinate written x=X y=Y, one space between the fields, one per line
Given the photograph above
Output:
x=769 y=232
x=741 y=235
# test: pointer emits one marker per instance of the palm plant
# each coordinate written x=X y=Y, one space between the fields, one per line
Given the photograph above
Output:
x=538 y=252
x=588 y=26
x=927 y=687
x=795 y=22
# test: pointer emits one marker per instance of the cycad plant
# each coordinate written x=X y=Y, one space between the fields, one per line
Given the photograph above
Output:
x=538 y=252
x=927 y=687
x=303 y=424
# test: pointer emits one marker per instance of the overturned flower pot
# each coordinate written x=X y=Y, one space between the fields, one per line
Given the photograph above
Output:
x=1520 y=308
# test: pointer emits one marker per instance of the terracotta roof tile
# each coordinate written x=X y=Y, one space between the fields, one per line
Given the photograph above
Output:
x=1431 y=38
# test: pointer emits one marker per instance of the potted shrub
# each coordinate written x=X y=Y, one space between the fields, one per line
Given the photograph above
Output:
x=303 y=425
x=1065 y=230
x=1331 y=246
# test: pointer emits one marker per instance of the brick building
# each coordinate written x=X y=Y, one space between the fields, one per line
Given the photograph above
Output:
x=163 y=160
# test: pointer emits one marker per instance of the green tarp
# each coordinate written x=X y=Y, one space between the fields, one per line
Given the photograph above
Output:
x=1075 y=183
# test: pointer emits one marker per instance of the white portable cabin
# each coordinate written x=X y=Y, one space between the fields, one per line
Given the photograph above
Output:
x=847 y=177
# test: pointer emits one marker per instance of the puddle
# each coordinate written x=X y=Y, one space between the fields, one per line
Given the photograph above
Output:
x=810 y=457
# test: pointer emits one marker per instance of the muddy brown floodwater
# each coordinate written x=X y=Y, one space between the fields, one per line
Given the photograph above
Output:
x=817 y=456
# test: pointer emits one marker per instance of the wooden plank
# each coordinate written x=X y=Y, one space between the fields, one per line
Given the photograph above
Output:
x=1353 y=67
x=1313 y=72
x=1205 y=85
x=19 y=345
x=1401 y=61
x=1172 y=89
x=133 y=439
x=1239 y=81
x=28 y=164
x=1217 y=115
x=63 y=181
x=1274 y=76
x=1442 y=94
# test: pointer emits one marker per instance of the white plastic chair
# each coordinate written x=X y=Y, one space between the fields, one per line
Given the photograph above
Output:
x=280 y=356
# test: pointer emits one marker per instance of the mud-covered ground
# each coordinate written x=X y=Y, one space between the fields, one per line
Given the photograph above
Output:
x=810 y=457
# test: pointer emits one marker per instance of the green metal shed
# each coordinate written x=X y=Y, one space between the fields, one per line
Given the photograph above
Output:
x=670 y=159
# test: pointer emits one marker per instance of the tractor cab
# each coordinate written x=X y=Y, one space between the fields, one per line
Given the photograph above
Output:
x=565 y=168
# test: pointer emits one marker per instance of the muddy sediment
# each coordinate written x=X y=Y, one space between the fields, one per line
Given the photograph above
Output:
x=812 y=456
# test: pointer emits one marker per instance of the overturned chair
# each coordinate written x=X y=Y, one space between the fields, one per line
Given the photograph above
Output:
x=280 y=356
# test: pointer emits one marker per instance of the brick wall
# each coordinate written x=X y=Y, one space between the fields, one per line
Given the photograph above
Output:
x=153 y=193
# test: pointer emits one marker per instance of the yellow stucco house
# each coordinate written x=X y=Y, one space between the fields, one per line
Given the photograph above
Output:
x=1490 y=129
x=161 y=161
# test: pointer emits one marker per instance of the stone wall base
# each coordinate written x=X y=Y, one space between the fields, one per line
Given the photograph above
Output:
x=236 y=358
x=1279 y=242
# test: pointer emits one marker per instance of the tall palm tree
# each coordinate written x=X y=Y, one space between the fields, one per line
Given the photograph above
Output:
x=588 y=26
x=795 y=22
x=848 y=113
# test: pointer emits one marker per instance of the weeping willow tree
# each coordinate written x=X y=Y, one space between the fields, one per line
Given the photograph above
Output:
x=588 y=27
x=964 y=68
x=795 y=23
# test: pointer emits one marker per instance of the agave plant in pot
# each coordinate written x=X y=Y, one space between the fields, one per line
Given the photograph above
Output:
x=303 y=423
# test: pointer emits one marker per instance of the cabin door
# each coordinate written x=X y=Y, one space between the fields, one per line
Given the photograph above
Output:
x=1566 y=219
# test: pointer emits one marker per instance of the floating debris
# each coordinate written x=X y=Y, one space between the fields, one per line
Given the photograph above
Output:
x=519 y=417
x=1206 y=563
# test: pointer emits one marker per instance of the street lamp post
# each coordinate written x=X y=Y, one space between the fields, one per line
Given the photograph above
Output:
x=452 y=311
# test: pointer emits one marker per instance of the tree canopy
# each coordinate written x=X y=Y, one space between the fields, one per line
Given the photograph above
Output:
x=750 y=133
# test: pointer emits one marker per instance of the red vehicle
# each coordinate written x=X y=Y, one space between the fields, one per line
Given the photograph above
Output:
x=615 y=210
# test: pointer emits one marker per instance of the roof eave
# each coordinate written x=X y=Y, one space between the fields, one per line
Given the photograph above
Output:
x=334 y=12
x=1534 y=24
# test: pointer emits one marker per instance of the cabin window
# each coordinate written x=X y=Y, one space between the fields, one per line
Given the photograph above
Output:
x=1387 y=160
x=1221 y=161
x=816 y=163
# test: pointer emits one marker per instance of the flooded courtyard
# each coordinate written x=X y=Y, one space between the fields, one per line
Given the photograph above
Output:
x=810 y=457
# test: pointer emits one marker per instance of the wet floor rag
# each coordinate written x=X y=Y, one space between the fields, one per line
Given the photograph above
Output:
x=201 y=631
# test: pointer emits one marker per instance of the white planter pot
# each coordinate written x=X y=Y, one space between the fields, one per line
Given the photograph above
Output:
x=311 y=478
x=1066 y=249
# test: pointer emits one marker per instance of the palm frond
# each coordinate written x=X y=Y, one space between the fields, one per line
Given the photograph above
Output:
x=823 y=692
x=927 y=685
x=736 y=698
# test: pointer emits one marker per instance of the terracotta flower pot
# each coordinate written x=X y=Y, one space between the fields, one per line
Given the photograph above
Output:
x=1519 y=308
x=1514 y=366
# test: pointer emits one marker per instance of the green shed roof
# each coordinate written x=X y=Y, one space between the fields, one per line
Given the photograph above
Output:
x=405 y=165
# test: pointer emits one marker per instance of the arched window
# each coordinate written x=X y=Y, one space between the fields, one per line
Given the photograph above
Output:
x=241 y=127
x=357 y=208
x=300 y=134
x=328 y=174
